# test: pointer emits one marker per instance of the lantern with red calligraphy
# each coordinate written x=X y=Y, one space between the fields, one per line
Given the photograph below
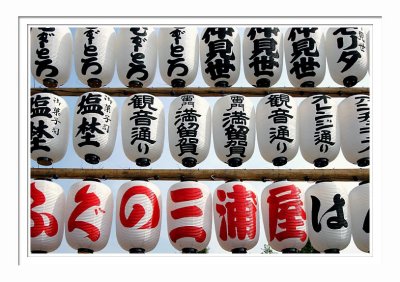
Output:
x=359 y=213
x=49 y=128
x=89 y=211
x=189 y=216
x=51 y=55
x=138 y=216
x=47 y=216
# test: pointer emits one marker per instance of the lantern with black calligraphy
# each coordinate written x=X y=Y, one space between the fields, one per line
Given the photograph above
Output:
x=51 y=55
x=89 y=211
x=220 y=56
x=47 y=216
x=178 y=55
x=236 y=216
x=189 y=129
x=347 y=54
x=138 y=216
x=262 y=55
x=284 y=217
x=143 y=128
x=234 y=129
x=136 y=52
x=319 y=130
x=328 y=219
x=305 y=56
x=189 y=216
x=277 y=131
x=359 y=213
x=95 y=126
x=95 y=55
x=354 y=120
x=49 y=128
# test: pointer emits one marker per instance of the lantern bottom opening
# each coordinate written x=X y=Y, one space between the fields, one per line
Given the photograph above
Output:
x=189 y=251
x=85 y=251
x=50 y=83
x=363 y=162
x=321 y=162
x=135 y=84
x=332 y=251
x=235 y=162
x=350 y=81
x=38 y=252
x=289 y=251
x=136 y=251
x=189 y=162
x=178 y=83
x=143 y=162
x=44 y=161
x=94 y=82
x=239 y=251
x=92 y=158
x=279 y=161
x=308 y=84
x=263 y=82
x=222 y=84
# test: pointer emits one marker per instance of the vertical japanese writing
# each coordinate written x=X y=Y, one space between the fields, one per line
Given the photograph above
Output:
x=44 y=62
x=90 y=53
x=350 y=52
x=334 y=222
x=177 y=60
x=137 y=64
x=323 y=123
x=362 y=106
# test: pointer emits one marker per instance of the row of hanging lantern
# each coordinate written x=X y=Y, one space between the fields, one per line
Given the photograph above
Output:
x=134 y=51
x=325 y=214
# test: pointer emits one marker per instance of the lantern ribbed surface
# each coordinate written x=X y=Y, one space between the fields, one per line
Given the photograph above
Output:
x=360 y=216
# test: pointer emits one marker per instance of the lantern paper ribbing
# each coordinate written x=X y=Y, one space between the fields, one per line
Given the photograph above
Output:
x=359 y=213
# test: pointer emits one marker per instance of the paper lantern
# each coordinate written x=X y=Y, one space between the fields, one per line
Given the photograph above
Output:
x=284 y=217
x=368 y=50
x=89 y=216
x=49 y=128
x=354 y=120
x=47 y=216
x=136 y=55
x=262 y=55
x=305 y=56
x=95 y=55
x=95 y=126
x=179 y=55
x=189 y=218
x=234 y=129
x=277 y=133
x=319 y=130
x=328 y=219
x=143 y=128
x=220 y=56
x=189 y=129
x=236 y=216
x=347 y=54
x=359 y=213
x=138 y=216
x=51 y=55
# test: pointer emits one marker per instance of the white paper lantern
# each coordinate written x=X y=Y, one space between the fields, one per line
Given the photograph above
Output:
x=189 y=216
x=138 y=216
x=49 y=128
x=354 y=119
x=142 y=131
x=220 y=56
x=347 y=54
x=359 y=213
x=262 y=55
x=319 y=130
x=89 y=215
x=47 y=216
x=328 y=219
x=284 y=217
x=136 y=52
x=189 y=129
x=179 y=55
x=368 y=50
x=305 y=56
x=277 y=129
x=95 y=126
x=95 y=55
x=234 y=129
x=51 y=55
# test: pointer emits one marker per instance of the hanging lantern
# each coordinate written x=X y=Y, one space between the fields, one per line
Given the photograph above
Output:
x=47 y=216
x=95 y=55
x=319 y=130
x=276 y=121
x=179 y=55
x=138 y=216
x=189 y=129
x=234 y=129
x=354 y=119
x=284 y=217
x=89 y=216
x=328 y=220
x=359 y=213
x=51 y=55
x=368 y=51
x=305 y=56
x=49 y=128
x=189 y=218
x=143 y=128
x=95 y=126
x=347 y=54
x=136 y=51
x=262 y=55
x=220 y=56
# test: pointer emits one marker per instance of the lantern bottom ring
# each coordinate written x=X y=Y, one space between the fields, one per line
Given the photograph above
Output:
x=289 y=251
x=85 y=251
x=44 y=161
x=235 y=162
x=350 y=81
x=178 y=83
x=263 y=82
x=136 y=251
x=308 y=84
x=189 y=162
x=279 y=161
x=321 y=162
x=94 y=82
x=50 y=83
x=92 y=158
x=143 y=162
x=363 y=162
x=239 y=251
x=135 y=84
x=38 y=252
x=189 y=251
x=332 y=251
x=221 y=84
